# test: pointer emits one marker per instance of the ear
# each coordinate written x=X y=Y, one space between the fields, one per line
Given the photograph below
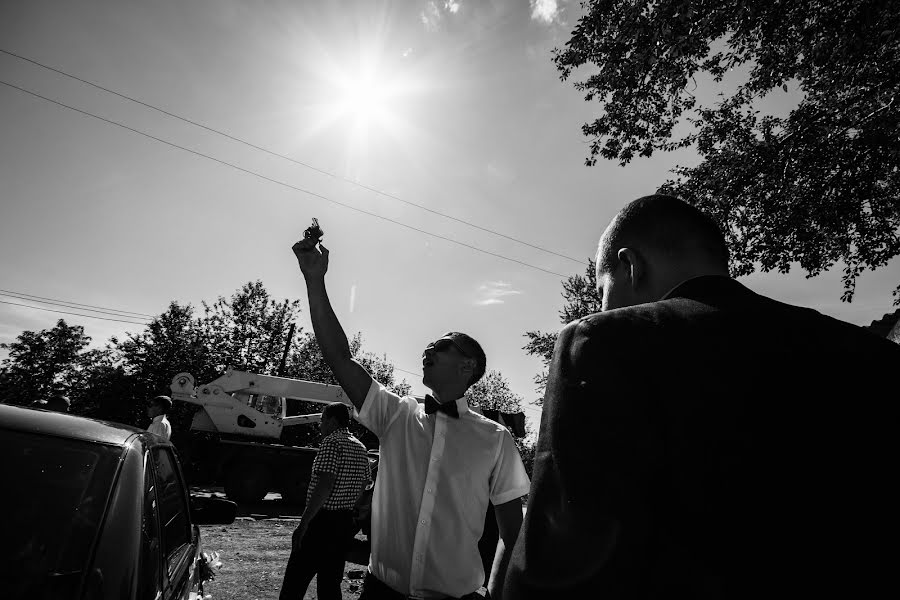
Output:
x=635 y=265
x=467 y=367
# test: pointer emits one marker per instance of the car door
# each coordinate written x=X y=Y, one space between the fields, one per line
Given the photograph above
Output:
x=151 y=562
x=179 y=544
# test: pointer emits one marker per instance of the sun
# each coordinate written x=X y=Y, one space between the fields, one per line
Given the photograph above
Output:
x=366 y=98
x=363 y=99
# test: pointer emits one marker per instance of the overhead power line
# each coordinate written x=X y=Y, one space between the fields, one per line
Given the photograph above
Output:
x=76 y=305
x=288 y=158
x=413 y=373
x=66 y=305
x=281 y=183
x=65 y=312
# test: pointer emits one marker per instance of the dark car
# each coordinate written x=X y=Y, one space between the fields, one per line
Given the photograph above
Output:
x=91 y=509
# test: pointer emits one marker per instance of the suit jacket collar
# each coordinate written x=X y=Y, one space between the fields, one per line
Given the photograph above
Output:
x=715 y=290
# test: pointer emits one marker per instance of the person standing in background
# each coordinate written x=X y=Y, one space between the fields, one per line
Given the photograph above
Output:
x=157 y=409
x=340 y=472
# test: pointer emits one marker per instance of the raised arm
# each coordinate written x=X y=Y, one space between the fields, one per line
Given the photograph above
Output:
x=331 y=337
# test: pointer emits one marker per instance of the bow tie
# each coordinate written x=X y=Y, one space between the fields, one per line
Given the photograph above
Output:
x=448 y=408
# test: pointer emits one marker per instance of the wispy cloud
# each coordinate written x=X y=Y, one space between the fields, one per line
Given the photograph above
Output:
x=545 y=11
x=436 y=11
x=431 y=17
x=494 y=292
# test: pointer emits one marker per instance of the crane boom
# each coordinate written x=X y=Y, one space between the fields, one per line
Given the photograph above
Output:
x=250 y=404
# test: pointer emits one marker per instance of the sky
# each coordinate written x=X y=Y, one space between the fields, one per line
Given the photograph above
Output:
x=454 y=106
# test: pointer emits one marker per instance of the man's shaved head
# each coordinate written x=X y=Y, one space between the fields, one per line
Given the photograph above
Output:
x=666 y=226
x=654 y=244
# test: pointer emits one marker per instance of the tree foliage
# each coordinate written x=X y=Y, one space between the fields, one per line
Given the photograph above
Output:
x=492 y=392
x=307 y=362
x=816 y=187
x=246 y=331
x=43 y=363
x=582 y=299
x=141 y=364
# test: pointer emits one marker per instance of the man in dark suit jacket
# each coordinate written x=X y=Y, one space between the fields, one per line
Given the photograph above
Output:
x=699 y=440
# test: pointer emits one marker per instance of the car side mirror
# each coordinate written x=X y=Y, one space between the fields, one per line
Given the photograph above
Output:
x=208 y=510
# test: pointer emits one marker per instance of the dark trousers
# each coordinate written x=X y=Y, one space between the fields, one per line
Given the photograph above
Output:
x=375 y=589
x=321 y=554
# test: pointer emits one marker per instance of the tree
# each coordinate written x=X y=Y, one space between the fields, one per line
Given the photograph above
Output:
x=43 y=363
x=144 y=363
x=307 y=362
x=109 y=393
x=492 y=392
x=582 y=299
x=819 y=186
x=247 y=331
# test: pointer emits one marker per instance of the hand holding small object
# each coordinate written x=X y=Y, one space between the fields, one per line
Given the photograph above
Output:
x=314 y=232
x=312 y=261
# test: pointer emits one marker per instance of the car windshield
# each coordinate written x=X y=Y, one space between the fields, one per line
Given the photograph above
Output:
x=54 y=494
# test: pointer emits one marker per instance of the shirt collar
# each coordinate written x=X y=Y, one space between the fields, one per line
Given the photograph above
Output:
x=159 y=418
x=343 y=430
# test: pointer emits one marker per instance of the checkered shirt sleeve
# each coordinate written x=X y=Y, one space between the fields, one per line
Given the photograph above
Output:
x=329 y=455
x=343 y=456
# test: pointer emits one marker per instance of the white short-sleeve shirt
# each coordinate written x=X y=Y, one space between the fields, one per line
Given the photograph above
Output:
x=161 y=427
x=435 y=477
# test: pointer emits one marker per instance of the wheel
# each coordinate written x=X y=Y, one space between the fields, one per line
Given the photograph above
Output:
x=247 y=482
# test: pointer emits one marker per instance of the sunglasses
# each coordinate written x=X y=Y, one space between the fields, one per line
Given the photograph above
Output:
x=444 y=344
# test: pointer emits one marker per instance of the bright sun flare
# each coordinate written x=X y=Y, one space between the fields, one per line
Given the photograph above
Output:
x=364 y=100
x=369 y=101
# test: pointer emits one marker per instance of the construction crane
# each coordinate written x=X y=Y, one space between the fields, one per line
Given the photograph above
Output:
x=235 y=438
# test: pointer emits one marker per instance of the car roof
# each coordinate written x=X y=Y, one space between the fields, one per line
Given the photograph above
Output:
x=39 y=421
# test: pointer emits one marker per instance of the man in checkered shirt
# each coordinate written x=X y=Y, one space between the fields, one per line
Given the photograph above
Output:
x=340 y=472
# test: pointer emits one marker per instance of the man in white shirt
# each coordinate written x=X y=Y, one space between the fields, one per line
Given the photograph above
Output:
x=156 y=410
x=440 y=462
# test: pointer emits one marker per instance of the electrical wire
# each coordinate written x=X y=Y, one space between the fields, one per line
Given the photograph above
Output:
x=285 y=157
x=65 y=312
x=281 y=183
x=413 y=373
x=66 y=304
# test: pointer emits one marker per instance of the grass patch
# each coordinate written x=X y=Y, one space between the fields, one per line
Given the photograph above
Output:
x=254 y=555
